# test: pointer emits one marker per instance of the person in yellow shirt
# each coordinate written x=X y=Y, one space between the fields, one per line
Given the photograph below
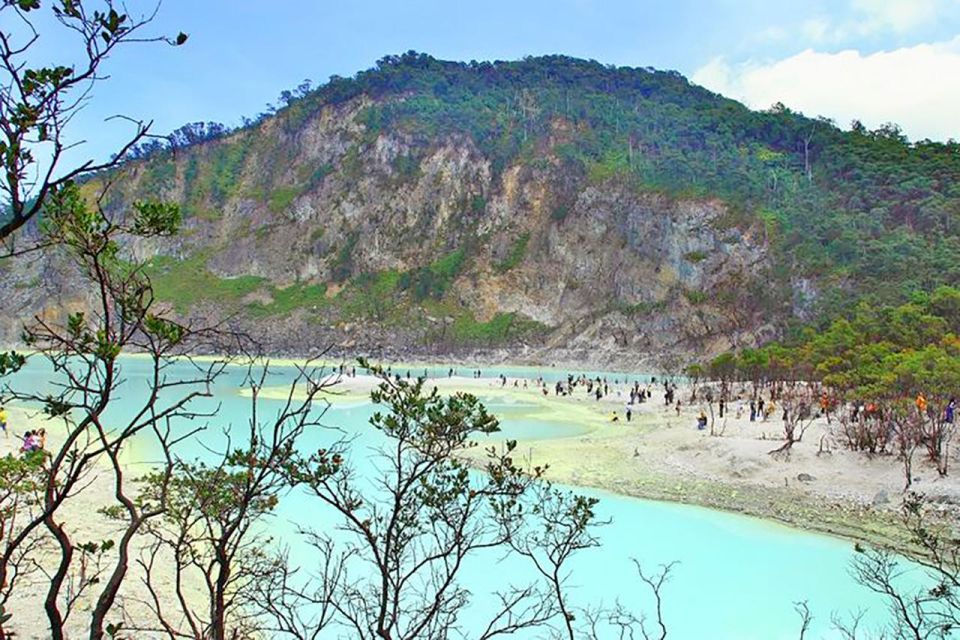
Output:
x=3 y=420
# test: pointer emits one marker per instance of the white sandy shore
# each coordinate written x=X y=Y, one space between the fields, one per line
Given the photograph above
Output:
x=663 y=456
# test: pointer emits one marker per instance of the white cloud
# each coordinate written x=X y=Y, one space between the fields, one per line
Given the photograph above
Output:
x=874 y=17
x=897 y=15
x=912 y=86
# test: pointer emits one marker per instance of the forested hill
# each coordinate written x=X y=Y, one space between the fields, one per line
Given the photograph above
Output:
x=865 y=208
x=549 y=203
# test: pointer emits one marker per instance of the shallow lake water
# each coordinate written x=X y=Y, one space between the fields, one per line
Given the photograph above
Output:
x=737 y=577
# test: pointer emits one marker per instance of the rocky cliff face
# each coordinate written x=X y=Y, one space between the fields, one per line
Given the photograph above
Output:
x=316 y=230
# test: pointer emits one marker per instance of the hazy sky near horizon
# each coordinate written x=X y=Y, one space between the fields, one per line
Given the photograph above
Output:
x=876 y=60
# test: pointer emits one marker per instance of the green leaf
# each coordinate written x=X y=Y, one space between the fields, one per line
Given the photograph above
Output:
x=11 y=362
x=156 y=218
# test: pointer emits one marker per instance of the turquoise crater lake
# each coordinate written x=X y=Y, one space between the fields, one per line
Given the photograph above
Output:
x=736 y=578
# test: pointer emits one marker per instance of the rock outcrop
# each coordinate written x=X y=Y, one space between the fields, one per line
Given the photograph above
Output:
x=396 y=244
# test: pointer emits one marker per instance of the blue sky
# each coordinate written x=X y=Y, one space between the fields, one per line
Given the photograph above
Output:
x=892 y=60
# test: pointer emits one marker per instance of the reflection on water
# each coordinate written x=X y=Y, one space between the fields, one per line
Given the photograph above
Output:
x=738 y=577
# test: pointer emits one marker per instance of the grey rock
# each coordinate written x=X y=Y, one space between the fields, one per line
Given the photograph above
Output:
x=612 y=283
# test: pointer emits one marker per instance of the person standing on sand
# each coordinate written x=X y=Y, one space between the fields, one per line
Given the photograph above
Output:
x=948 y=414
x=629 y=413
x=678 y=408
x=29 y=443
x=753 y=411
x=3 y=420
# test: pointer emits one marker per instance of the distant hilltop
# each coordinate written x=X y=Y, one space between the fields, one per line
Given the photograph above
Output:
x=547 y=208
